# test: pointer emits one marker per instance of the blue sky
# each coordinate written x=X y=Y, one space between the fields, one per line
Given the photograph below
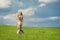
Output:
x=44 y=13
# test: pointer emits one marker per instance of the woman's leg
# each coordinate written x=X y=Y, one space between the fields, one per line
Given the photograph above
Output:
x=21 y=28
x=18 y=29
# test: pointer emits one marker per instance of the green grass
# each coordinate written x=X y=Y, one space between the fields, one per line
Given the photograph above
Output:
x=30 y=33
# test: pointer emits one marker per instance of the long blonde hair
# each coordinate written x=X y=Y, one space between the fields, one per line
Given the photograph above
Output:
x=19 y=16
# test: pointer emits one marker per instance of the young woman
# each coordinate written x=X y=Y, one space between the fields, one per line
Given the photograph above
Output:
x=19 y=20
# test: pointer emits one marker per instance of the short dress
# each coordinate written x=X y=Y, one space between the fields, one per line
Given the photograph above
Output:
x=19 y=20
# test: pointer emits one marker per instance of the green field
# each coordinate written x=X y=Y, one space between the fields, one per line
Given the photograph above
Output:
x=30 y=33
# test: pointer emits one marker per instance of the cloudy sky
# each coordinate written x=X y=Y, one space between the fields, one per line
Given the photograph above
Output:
x=44 y=13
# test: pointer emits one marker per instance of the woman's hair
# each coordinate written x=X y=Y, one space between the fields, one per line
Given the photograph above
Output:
x=20 y=13
x=19 y=16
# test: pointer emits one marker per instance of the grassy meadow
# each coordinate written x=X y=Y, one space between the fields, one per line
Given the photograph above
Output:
x=30 y=33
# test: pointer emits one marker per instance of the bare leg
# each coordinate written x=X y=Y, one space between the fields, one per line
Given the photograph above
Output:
x=21 y=28
x=18 y=29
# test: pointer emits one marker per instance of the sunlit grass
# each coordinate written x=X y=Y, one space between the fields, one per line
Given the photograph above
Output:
x=30 y=33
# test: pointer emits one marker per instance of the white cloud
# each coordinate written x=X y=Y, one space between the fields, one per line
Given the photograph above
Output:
x=5 y=3
x=13 y=17
x=42 y=5
x=44 y=19
x=48 y=1
x=29 y=11
x=54 y=18
x=45 y=2
x=37 y=19
x=9 y=19
x=10 y=24
x=10 y=16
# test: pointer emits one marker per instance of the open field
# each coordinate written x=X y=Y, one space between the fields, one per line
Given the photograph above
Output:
x=30 y=33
